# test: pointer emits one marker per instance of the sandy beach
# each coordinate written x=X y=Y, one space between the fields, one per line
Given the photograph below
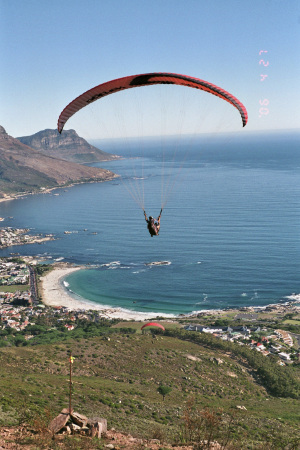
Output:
x=55 y=294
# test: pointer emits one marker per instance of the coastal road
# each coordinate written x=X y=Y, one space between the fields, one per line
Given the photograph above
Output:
x=33 y=288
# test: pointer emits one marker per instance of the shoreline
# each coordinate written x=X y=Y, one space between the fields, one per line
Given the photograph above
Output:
x=55 y=294
x=48 y=190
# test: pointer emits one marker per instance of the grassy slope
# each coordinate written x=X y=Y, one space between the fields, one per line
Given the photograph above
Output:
x=118 y=379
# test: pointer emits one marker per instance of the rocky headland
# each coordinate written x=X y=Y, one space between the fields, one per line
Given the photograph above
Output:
x=24 y=170
x=68 y=146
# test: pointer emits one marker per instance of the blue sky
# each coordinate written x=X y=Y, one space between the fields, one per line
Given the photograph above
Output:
x=53 y=50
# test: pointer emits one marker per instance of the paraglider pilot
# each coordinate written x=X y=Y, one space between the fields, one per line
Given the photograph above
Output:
x=153 y=225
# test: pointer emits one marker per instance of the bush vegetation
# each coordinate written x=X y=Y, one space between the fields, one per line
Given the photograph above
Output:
x=279 y=380
x=117 y=373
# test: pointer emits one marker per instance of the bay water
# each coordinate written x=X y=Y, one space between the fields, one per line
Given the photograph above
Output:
x=230 y=230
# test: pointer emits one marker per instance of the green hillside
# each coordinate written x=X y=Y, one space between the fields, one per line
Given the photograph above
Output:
x=117 y=374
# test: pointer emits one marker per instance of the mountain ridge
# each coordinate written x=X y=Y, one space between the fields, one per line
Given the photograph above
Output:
x=24 y=170
x=68 y=146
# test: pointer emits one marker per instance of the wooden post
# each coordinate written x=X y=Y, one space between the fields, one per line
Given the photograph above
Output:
x=70 y=398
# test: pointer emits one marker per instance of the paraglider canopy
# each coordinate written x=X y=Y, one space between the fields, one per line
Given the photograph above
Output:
x=135 y=184
x=153 y=324
x=147 y=79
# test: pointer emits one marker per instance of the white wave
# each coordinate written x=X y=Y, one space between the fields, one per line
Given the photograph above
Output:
x=158 y=263
x=293 y=297
x=244 y=294
x=111 y=264
x=139 y=271
x=59 y=259
x=193 y=313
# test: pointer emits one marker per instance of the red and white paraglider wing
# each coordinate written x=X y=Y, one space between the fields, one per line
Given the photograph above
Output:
x=147 y=79
x=153 y=324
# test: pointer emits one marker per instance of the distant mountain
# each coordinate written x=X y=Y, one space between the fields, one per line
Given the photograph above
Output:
x=68 y=146
x=23 y=169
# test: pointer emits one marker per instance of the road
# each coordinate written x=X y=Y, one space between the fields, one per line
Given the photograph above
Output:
x=33 y=288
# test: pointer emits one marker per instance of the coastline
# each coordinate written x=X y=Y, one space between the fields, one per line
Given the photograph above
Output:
x=8 y=198
x=48 y=190
x=55 y=294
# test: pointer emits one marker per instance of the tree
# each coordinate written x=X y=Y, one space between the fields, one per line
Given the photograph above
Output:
x=20 y=341
x=164 y=390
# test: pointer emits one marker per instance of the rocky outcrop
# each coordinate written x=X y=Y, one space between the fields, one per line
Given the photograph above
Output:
x=68 y=146
x=23 y=169
x=111 y=439
x=75 y=423
x=59 y=422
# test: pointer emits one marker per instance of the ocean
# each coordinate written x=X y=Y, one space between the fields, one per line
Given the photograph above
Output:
x=230 y=229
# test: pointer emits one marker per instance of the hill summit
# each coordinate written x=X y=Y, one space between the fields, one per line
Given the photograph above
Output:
x=68 y=146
